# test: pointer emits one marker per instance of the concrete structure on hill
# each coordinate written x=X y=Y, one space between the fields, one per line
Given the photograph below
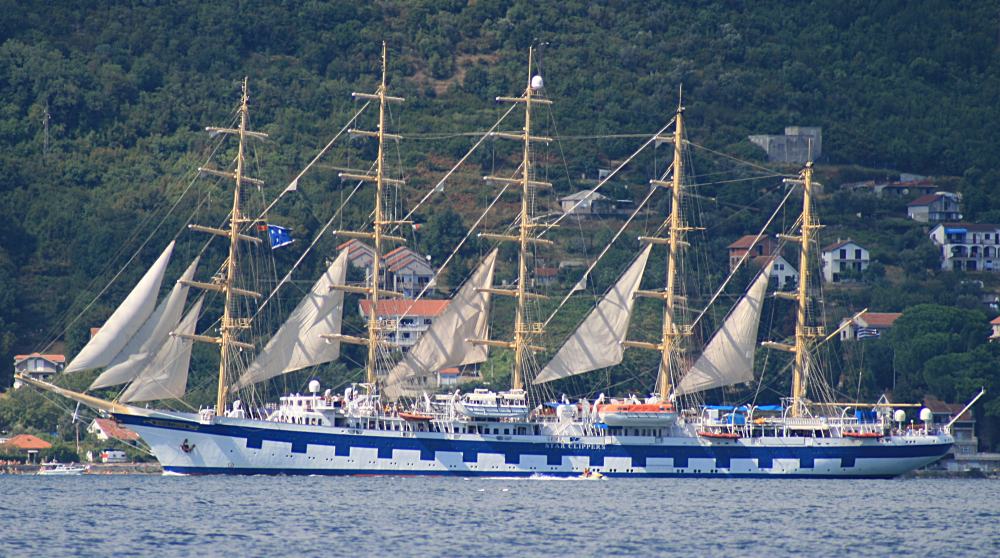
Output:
x=843 y=258
x=968 y=246
x=38 y=366
x=933 y=208
x=404 y=320
x=766 y=246
x=869 y=325
x=799 y=144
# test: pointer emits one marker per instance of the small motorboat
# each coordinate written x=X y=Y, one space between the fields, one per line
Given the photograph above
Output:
x=587 y=474
x=61 y=469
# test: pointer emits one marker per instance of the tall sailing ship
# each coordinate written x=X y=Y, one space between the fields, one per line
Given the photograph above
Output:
x=386 y=425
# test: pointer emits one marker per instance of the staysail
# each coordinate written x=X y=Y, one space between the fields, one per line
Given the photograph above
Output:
x=165 y=375
x=147 y=341
x=728 y=356
x=125 y=321
x=446 y=342
x=298 y=343
x=597 y=342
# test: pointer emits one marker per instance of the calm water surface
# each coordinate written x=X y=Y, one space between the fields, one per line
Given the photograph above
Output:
x=301 y=516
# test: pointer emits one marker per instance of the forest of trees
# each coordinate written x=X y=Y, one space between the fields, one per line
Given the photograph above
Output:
x=104 y=106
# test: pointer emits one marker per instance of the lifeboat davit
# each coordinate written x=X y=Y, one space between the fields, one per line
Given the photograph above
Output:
x=637 y=414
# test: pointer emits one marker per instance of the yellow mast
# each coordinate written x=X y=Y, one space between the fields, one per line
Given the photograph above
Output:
x=803 y=333
x=523 y=329
x=226 y=282
x=673 y=332
x=379 y=222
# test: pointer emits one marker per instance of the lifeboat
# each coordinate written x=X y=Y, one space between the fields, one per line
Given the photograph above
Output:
x=637 y=414
x=719 y=435
x=862 y=434
x=415 y=416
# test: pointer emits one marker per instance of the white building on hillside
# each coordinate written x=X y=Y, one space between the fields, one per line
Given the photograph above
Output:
x=38 y=366
x=968 y=246
x=842 y=258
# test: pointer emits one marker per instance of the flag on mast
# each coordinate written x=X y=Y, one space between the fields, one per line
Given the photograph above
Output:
x=279 y=236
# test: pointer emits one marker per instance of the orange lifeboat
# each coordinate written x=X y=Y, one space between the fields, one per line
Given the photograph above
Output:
x=862 y=434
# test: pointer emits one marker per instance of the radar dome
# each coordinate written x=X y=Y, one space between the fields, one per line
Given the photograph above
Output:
x=314 y=387
x=926 y=415
x=899 y=415
x=537 y=83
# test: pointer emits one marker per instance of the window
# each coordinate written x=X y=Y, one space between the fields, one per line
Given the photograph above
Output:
x=857 y=254
x=843 y=253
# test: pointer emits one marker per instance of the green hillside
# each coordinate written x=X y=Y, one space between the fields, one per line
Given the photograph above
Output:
x=104 y=105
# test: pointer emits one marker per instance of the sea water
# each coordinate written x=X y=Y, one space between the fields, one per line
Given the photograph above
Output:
x=138 y=515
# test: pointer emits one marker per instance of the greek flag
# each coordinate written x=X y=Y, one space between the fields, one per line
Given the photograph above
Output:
x=868 y=333
x=279 y=236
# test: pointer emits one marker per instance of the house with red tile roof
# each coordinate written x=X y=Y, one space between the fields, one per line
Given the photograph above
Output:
x=995 y=324
x=766 y=246
x=24 y=444
x=869 y=325
x=405 y=320
x=933 y=208
x=108 y=429
x=408 y=272
x=38 y=366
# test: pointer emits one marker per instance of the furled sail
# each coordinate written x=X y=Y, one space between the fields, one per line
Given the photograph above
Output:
x=153 y=334
x=728 y=356
x=446 y=342
x=298 y=343
x=597 y=342
x=125 y=321
x=165 y=375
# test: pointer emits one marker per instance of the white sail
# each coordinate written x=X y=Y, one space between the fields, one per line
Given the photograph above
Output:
x=144 y=344
x=298 y=343
x=446 y=342
x=125 y=321
x=165 y=375
x=597 y=342
x=728 y=356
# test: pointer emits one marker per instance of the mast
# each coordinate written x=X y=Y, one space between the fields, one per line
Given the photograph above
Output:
x=225 y=283
x=672 y=332
x=379 y=222
x=804 y=333
x=524 y=330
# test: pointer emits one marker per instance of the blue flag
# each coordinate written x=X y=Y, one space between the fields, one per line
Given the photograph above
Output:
x=280 y=236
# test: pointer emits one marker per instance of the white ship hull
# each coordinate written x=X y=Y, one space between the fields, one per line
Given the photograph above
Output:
x=183 y=444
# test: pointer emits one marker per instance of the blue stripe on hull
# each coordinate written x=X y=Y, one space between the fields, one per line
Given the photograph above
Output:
x=723 y=452
x=487 y=474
